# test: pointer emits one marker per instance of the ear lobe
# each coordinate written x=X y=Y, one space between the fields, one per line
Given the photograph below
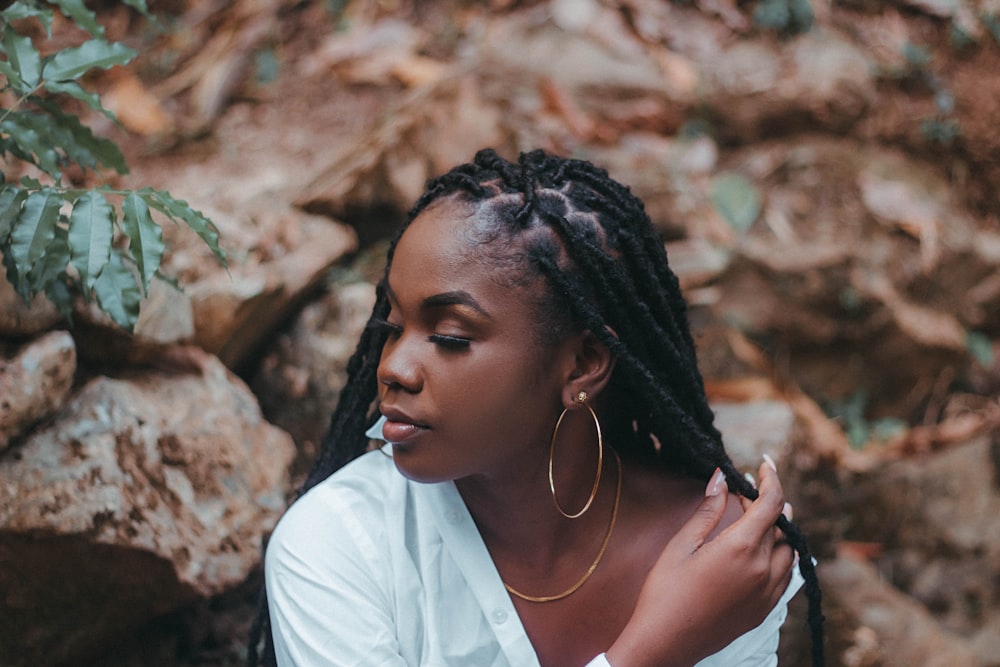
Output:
x=594 y=364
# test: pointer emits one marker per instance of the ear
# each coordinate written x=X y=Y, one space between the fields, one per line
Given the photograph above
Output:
x=592 y=366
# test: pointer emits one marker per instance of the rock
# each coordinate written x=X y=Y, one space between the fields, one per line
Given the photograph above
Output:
x=226 y=313
x=166 y=320
x=601 y=71
x=234 y=314
x=373 y=181
x=895 y=630
x=755 y=428
x=18 y=319
x=929 y=523
x=34 y=382
x=142 y=495
x=897 y=269
x=530 y=44
x=671 y=176
x=754 y=88
x=696 y=262
x=303 y=371
x=913 y=198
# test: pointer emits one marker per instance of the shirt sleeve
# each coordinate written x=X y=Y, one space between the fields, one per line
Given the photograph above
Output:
x=758 y=647
x=326 y=603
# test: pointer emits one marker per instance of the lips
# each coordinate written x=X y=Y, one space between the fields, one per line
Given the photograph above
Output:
x=399 y=427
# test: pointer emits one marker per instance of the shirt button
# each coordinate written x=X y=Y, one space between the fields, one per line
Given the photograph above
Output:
x=453 y=517
x=499 y=616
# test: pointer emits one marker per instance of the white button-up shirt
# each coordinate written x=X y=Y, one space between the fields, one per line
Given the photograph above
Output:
x=369 y=568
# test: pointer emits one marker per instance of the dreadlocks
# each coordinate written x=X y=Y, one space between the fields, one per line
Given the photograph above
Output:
x=589 y=237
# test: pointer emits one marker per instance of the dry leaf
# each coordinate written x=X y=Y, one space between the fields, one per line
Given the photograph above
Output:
x=137 y=108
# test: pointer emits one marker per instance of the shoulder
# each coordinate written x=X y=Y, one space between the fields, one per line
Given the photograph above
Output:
x=348 y=508
x=665 y=500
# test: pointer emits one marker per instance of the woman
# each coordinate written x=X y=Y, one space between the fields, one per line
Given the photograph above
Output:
x=552 y=488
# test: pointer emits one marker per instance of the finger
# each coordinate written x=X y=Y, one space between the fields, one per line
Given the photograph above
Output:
x=761 y=515
x=782 y=562
x=707 y=515
x=744 y=501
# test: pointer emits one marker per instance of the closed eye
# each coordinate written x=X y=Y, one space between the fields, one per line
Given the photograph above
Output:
x=454 y=343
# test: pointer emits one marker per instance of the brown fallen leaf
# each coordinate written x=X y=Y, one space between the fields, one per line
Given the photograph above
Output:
x=136 y=107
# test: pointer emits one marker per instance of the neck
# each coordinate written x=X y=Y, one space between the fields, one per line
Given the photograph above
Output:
x=518 y=519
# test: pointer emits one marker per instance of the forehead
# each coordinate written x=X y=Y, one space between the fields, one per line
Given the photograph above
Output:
x=453 y=246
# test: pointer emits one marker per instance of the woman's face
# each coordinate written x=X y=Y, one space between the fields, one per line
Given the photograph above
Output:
x=464 y=382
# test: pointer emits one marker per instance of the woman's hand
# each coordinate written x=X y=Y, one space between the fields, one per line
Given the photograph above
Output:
x=700 y=595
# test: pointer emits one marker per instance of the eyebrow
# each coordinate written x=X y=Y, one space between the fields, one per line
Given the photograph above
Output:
x=455 y=298
x=452 y=298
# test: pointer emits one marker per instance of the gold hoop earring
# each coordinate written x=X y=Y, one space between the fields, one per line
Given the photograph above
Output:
x=581 y=398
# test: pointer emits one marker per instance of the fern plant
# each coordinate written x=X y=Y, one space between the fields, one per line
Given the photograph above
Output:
x=100 y=242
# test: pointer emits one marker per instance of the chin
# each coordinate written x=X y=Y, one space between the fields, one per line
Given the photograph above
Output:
x=415 y=472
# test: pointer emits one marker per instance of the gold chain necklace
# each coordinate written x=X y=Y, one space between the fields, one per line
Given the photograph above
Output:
x=593 y=566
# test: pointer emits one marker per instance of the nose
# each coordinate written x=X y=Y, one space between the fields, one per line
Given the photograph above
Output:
x=399 y=365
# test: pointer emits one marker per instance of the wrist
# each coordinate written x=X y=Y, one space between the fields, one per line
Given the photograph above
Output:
x=639 y=651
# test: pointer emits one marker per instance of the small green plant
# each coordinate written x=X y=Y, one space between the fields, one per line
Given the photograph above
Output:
x=784 y=16
x=736 y=200
x=100 y=242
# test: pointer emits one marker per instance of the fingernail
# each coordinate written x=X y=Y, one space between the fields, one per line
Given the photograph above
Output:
x=770 y=462
x=716 y=484
x=749 y=477
x=787 y=511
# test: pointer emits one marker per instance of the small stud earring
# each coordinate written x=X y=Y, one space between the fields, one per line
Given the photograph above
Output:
x=581 y=397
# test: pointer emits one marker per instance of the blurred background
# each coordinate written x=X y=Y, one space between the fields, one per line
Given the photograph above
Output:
x=824 y=176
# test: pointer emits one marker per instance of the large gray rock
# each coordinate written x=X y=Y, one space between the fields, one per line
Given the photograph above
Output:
x=142 y=495
x=33 y=382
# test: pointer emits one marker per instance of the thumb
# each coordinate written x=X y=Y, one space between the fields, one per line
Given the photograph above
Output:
x=708 y=514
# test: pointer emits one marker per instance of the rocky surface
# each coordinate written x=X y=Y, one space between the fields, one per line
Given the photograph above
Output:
x=141 y=495
x=828 y=201
x=34 y=380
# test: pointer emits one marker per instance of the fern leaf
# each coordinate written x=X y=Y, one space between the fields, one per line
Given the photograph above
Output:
x=76 y=91
x=13 y=276
x=13 y=78
x=80 y=144
x=11 y=199
x=52 y=265
x=83 y=17
x=91 y=229
x=24 y=10
x=72 y=63
x=145 y=237
x=178 y=209
x=29 y=138
x=118 y=292
x=138 y=5
x=34 y=228
x=23 y=56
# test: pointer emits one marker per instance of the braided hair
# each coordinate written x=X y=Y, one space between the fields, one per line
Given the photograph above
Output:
x=589 y=237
